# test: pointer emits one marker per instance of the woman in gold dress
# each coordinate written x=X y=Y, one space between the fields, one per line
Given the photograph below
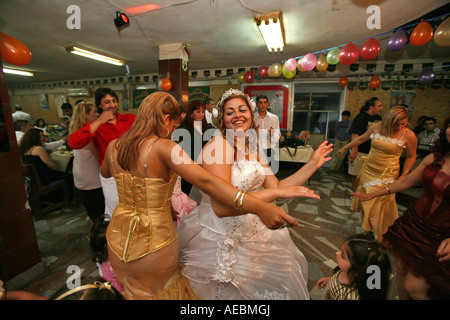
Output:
x=390 y=138
x=142 y=241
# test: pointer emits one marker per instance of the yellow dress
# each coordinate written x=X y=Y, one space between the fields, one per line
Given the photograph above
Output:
x=142 y=240
x=381 y=168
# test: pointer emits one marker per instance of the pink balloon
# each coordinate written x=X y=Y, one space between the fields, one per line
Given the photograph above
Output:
x=291 y=64
x=309 y=61
x=370 y=49
x=263 y=72
x=349 y=54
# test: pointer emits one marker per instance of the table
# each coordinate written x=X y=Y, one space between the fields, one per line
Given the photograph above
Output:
x=302 y=154
x=61 y=158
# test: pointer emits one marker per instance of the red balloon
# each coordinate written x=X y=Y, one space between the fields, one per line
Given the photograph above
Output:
x=370 y=49
x=14 y=51
x=349 y=54
x=421 y=34
x=249 y=77
x=263 y=72
x=375 y=82
x=166 y=84
x=343 y=81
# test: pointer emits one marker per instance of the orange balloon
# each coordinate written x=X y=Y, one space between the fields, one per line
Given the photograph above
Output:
x=343 y=81
x=375 y=82
x=166 y=84
x=421 y=34
x=14 y=51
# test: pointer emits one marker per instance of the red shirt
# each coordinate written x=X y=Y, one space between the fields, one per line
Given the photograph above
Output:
x=102 y=136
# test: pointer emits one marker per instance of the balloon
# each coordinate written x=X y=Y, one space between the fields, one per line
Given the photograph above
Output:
x=299 y=65
x=166 y=84
x=343 y=81
x=333 y=56
x=309 y=61
x=288 y=74
x=240 y=76
x=276 y=69
x=322 y=63
x=427 y=76
x=375 y=82
x=291 y=64
x=263 y=71
x=398 y=40
x=249 y=77
x=14 y=51
x=421 y=34
x=370 y=49
x=349 y=54
x=442 y=34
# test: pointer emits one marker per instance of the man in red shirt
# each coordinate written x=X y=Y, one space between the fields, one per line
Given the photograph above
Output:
x=109 y=125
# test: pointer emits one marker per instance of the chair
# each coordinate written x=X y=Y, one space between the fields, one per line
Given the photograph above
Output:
x=35 y=190
x=315 y=139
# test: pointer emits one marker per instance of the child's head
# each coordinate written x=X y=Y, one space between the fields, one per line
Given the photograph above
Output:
x=98 y=240
x=355 y=258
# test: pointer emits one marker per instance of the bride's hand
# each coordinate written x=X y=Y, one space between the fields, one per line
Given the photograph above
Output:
x=296 y=192
x=362 y=196
x=274 y=217
x=320 y=155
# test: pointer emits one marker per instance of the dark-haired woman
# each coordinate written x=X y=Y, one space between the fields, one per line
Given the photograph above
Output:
x=32 y=151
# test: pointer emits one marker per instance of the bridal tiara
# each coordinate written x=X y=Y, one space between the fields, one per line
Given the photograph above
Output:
x=232 y=92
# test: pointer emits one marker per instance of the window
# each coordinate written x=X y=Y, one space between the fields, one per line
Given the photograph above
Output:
x=317 y=108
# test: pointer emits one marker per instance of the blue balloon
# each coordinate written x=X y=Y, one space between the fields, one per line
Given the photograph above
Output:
x=398 y=40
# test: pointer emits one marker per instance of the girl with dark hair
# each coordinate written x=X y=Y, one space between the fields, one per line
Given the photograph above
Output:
x=358 y=260
x=420 y=238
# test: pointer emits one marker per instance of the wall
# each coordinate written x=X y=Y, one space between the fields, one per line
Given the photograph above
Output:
x=428 y=101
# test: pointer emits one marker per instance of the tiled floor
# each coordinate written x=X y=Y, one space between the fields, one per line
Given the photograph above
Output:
x=323 y=226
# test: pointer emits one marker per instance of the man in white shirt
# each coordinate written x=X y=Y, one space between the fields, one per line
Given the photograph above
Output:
x=209 y=106
x=20 y=115
x=268 y=128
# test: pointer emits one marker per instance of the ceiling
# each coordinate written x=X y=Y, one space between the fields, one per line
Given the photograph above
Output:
x=220 y=33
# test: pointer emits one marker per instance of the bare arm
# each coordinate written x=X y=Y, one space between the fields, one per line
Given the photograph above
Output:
x=401 y=184
x=411 y=149
x=359 y=140
x=220 y=190
x=40 y=151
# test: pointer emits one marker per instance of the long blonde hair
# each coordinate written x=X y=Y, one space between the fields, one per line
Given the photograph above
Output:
x=149 y=121
x=394 y=115
x=79 y=115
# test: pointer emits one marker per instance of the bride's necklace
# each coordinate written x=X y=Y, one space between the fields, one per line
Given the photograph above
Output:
x=245 y=152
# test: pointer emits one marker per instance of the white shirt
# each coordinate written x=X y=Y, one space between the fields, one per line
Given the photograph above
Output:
x=264 y=125
x=208 y=117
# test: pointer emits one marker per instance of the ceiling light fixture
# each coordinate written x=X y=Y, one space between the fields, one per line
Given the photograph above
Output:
x=271 y=27
x=18 y=72
x=94 y=55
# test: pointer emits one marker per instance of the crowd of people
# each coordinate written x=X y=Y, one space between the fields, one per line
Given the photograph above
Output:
x=154 y=238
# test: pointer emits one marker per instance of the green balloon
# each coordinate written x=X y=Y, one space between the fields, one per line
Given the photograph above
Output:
x=333 y=56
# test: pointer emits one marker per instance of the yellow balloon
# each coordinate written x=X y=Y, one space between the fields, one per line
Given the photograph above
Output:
x=442 y=34
x=299 y=65
x=276 y=69
x=322 y=63
x=288 y=74
x=240 y=77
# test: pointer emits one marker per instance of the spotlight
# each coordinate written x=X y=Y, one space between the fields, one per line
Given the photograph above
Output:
x=121 y=20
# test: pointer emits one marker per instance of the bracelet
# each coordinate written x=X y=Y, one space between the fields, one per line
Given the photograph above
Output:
x=239 y=199
x=388 y=190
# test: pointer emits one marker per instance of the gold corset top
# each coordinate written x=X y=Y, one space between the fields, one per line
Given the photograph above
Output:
x=142 y=221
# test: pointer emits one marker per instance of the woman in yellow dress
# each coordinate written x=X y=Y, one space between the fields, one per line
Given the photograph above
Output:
x=390 y=138
x=142 y=240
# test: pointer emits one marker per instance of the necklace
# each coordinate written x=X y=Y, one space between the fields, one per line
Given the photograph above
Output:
x=239 y=149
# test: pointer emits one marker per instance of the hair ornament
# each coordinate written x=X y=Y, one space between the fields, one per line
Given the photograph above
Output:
x=231 y=92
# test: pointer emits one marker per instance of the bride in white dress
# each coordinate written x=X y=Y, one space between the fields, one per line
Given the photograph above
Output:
x=231 y=255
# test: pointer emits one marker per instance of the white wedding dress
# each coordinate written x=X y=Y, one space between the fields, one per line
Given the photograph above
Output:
x=236 y=258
